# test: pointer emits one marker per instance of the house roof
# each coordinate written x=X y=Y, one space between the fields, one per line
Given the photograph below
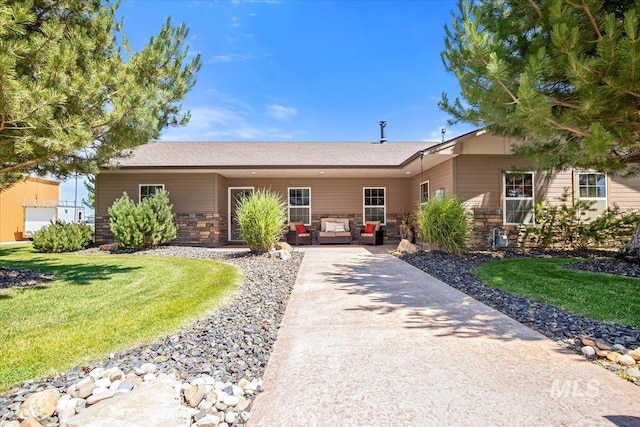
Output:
x=234 y=155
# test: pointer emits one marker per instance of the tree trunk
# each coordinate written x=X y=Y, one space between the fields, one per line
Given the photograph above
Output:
x=631 y=251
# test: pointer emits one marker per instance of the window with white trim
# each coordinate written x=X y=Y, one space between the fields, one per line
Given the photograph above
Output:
x=592 y=187
x=148 y=190
x=424 y=192
x=374 y=202
x=519 y=204
x=300 y=205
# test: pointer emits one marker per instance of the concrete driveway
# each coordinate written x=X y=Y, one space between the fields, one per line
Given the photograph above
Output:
x=370 y=340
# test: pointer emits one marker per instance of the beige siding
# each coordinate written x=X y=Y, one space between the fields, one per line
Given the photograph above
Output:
x=337 y=196
x=479 y=181
x=440 y=176
x=221 y=199
x=625 y=192
x=488 y=144
x=187 y=192
x=479 y=178
x=557 y=188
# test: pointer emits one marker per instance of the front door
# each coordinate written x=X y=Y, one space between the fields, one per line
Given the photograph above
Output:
x=235 y=194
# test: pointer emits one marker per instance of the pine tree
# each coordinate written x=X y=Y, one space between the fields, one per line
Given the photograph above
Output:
x=90 y=185
x=73 y=94
x=562 y=75
x=124 y=222
x=159 y=226
x=149 y=223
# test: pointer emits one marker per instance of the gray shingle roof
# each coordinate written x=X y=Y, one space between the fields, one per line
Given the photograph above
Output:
x=272 y=154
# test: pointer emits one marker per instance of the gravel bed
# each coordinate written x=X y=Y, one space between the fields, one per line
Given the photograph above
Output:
x=619 y=268
x=10 y=278
x=557 y=324
x=231 y=344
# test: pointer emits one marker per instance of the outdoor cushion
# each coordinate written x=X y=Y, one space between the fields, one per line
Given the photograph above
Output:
x=330 y=226
x=301 y=228
x=293 y=225
x=342 y=234
x=327 y=234
x=323 y=223
x=377 y=223
x=369 y=228
x=303 y=234
x=339 y=227
x=344 y=221
x=367 y=234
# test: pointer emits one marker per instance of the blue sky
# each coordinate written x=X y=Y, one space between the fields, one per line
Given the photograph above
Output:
x=307 y=70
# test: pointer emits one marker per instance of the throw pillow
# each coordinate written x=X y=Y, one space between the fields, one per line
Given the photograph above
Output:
x=330 y=226
x=369 y=228
x=301 y=228
x=339 y=227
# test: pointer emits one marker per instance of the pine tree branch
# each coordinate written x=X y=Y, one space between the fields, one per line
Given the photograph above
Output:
x=536 y=8
x=565 y=104
x=557 y=125
x=486 y=64
x=23 y=165
x=588 y=12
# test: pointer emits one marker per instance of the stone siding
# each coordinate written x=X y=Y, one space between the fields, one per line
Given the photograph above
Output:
x=202 y=229
x=483 y=222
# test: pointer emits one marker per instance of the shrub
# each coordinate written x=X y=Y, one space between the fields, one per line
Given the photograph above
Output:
x=124 y=222
x=149 y=223
x=443 y=224
x=262 y=217
x=62 y=237
x=158 y=224
x=562 y=226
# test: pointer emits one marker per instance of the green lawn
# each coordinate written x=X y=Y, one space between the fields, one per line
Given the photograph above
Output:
x=598 y=296
x=99 y=304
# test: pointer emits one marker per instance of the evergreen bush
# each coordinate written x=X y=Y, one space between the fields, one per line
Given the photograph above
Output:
x=443 y=224
x=562 y=226
x=262 y=217
x=158 y=224
x=149 y=223
x=62 y=237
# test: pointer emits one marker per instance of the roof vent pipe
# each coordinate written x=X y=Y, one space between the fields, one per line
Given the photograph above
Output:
x=383 y=139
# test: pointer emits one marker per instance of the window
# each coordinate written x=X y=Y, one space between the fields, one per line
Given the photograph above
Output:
x=148 y=190
x=424 y=192
x=300 y=205
x=592 y=187
x=518 y=198
x=374 y=205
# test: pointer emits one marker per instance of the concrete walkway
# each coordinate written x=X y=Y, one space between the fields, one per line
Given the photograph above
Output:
x=370 y=340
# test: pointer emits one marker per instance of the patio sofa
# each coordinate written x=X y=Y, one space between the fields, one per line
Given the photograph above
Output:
x=334 y=231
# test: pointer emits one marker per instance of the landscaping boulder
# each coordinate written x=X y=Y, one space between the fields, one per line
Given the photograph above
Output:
x=194 y=395
x=626 y=360
x=406 y=247
x=109 y=247
x=158 y=400
x=39 y=405
x=282 y=254
x=283 y=246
